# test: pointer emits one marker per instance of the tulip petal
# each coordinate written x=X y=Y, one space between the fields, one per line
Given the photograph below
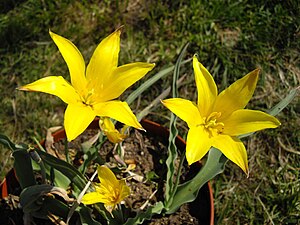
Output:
x=122 y=78
x=74 y=60
x=109 y=191
x=125 y=190
x=55 y=85
x=206 y=87
x=107 y=177
x=77 y=119
x=185 y=110
x=233 y=149
x=237 y=95
x=245 y=121
x=119 y=111
x=93 y=197
x=103 y=61
x=197 y=145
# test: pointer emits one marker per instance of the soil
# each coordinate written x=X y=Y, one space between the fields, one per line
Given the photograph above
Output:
x=147 y=155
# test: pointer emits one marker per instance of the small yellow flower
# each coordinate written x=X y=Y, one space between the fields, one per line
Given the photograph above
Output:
x=94 y=87
x=217 y=120
x=109 y=191
x=108 y=128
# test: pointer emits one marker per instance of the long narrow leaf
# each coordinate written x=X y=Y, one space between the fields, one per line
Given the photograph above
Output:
x=22 y=161
x=188 y=191
x=147 y=215
x=67 y=169
x=284 y=102
x=86 y=218
x=172 y=149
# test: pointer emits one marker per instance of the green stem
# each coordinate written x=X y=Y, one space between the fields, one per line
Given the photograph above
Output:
x=67 y=151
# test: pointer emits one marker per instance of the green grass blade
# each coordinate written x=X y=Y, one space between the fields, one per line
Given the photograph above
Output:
x=172 y=149
x=284 y=102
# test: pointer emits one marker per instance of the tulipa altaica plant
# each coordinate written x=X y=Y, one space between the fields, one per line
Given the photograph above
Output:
x=216 y=122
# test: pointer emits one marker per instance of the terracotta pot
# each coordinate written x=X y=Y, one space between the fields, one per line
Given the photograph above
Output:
x=202 y=208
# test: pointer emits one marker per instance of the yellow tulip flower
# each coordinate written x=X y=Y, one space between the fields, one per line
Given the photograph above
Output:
x=109 y=191
x=217 y=120
x=92 y=89
x=108 y=128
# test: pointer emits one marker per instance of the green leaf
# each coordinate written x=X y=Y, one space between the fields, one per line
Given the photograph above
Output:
x=148 y=83
x=32 y=198
x=146 y=215
x=188 y=191
x=86 y=218
x=23 y=168
x=58 y=178
x=284 y=102
x=66 y=169
x=33 y=201
x=22 y=161
x=7 y=143
x=53 y=206
x=172 y=149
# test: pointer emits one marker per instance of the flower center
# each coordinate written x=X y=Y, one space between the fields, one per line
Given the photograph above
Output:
x=88 y=99
x=212 y=125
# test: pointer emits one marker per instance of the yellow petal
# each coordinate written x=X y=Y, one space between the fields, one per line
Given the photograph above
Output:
x=125 y=190
x=233 y=149
x=107 y=177
x=245 y=121
x=92 y=198
x=103 y=61
x=115 y=136
x=56 y=86
x=122 y=78
x=185 y=110
x=197 y=145
x=77 y=119
x=119 y=111
x=74 y=60
x=237 y=95
x=206 y=87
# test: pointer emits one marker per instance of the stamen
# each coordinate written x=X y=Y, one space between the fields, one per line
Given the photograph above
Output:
x=212 y=125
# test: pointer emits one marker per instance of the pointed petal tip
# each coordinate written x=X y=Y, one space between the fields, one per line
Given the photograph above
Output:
x=245 y=168
x=120 y=28
x=255 y=72
x=142 y=129
x=247 y=174
x=70 y=138
x=152 y=65
x=51 y=34
x=21 y=88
